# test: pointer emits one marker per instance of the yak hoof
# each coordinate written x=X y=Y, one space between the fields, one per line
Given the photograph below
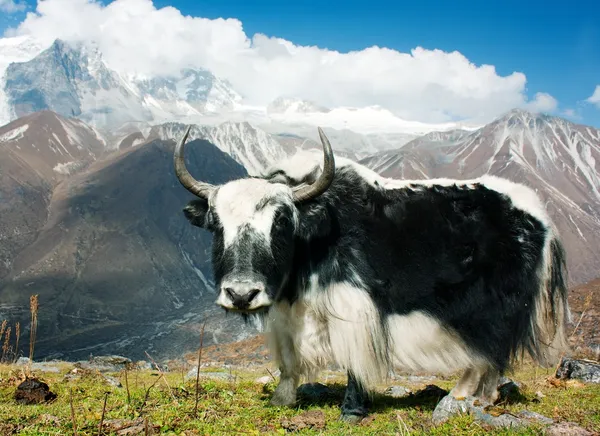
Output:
x=350 y=418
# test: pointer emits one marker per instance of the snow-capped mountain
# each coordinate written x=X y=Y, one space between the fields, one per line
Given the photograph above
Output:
x=17 y=49
x=554 y=156
x=253 y=148
x=289 y=105
x=73 y=80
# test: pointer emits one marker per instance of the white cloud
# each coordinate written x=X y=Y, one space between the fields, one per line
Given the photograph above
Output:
x=542 y=102
x=595 y=97
x=425 y=85
x=10 y=6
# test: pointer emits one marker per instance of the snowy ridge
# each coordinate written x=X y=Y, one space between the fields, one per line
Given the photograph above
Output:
x=253 y=148
x=16 y=133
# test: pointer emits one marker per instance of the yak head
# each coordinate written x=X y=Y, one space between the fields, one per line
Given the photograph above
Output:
x=255 y=222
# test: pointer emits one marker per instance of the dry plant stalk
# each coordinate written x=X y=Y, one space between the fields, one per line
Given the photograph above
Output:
x=73 y=413
x=147 y=395
x=198 y=368
x=3 y=328
x=33 y=307
x=162 y=376
x=18 y=335
x=103 y=413
x=127 y=387
x=6 y=344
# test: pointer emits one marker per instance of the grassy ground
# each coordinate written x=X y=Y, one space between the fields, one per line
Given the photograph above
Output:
x=240 y=406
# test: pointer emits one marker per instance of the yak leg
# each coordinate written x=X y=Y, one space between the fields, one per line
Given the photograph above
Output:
x=285 y=392
x=356 y=401
x=487 y=390
x=480 y=382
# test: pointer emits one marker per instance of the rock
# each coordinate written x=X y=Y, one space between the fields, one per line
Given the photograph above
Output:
x=264 y=379
x=312 y=419
x=38 y=366
x=450 y=406
x=535 y=417
x=33 y=391
x=567 y=429
x=21 y=361
x=314 y=391
x=584 y=370
x=143 y=365
x=105 y=363
x=397 y=391
x=112 y=381
x=111 y=360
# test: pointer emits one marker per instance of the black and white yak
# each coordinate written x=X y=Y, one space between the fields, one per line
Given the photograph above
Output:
x=376 y=274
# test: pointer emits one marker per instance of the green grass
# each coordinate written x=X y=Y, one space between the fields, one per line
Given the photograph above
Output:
x=241 y=406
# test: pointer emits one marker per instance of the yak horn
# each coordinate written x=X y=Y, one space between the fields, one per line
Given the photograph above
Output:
x=200 y=189
x=324 y=181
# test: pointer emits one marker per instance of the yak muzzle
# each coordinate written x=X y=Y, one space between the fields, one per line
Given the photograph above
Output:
x=243 y=295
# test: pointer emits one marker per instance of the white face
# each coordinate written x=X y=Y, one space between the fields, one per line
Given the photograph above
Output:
x=249 y=203
x=253 y=242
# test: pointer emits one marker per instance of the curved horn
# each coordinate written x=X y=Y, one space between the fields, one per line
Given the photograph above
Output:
x=197 y=188
x=324 y=181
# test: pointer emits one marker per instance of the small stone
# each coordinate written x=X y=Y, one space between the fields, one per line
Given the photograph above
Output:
x=567 y=429
x=536 y=417
x=397 y=391
x=113 y=381
x=264 y=379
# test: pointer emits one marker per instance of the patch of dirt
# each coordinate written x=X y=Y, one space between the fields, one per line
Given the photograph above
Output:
x=125 y=427
x=312 y=419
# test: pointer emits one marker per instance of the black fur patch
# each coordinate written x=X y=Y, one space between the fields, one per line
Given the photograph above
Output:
x=462 y=255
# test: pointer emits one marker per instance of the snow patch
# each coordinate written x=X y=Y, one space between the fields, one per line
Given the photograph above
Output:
x=14 y=134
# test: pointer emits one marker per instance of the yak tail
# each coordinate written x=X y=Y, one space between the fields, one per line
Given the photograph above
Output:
x=548 y=340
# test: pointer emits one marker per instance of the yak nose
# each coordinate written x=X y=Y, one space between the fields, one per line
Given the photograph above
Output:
x=242 y=294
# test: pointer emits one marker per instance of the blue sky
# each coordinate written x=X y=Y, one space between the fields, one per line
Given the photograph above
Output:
x=556 y=44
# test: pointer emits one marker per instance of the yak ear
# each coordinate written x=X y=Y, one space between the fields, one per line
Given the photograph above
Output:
x=196 y=212
x=314 y=222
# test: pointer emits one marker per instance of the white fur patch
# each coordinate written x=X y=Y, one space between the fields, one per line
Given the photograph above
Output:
x=236 y=206
x=420 y=343
x=341 y=325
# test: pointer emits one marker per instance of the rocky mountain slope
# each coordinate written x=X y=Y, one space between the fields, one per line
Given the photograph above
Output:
x=554 y=156
x=36 y=153
x=253 y=148
x=115 y=263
